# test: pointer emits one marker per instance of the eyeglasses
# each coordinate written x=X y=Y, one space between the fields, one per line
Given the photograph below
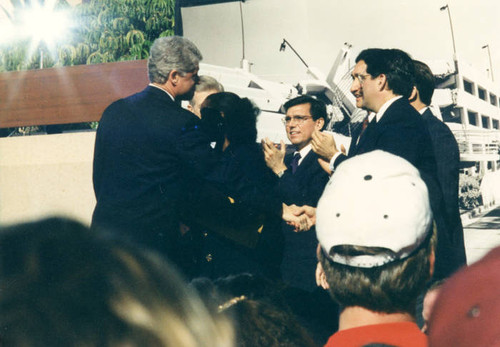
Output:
x=298 y=119
x=361 y=77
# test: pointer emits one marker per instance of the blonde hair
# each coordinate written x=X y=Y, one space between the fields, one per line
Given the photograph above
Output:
x=60 y=284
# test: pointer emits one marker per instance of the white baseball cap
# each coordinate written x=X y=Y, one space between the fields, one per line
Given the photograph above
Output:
x=375 y=199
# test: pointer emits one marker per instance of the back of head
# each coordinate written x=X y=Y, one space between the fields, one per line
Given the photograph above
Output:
x=395 y=64
x=171 y=53
x=424 y=82
x=318 y=107
x=239 y=116
x=257 y=307
x=259 y=323
x=374 y=225
x=61 y=285
x=206 y=83
x=467 y=309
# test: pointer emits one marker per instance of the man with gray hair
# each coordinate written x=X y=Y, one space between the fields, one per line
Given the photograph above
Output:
x=147 y=148
x=206 y=86
x=150 y=158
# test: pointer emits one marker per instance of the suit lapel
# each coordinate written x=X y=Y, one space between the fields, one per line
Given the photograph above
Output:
x=368 y=139
x=288 y=160
x=368 y=136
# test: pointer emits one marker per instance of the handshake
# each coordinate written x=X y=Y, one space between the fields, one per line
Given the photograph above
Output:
x=302 y=218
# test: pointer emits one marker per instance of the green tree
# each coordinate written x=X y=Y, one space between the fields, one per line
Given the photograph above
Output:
x=115 y=30
x=104 y=31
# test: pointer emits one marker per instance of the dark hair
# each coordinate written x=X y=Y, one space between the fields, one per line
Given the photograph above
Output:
x=256 y=304
x=318 y=107
x=239 y=116
x=395 y=64
x=390 y=288
x=424 y=82
x=61 y=284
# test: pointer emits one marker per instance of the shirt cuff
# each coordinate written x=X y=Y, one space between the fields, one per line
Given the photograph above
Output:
x=332 y=161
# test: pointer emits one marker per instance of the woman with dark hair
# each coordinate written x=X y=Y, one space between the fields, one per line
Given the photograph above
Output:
x=242 y=174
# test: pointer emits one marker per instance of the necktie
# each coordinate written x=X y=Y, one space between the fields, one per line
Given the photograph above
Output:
x=294 y=164
x=366 y=122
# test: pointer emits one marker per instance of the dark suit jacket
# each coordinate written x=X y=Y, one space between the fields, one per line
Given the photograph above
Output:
x=302 y=188
x=147 y=147
x=448 y=162
x=402 y=132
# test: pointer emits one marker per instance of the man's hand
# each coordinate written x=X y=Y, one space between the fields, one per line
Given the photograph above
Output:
x=309 y=211
x=325 y=165
x=295 y=216
x=274 y=157
x=323 y=144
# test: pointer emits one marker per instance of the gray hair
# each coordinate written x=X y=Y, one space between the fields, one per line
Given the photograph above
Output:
x=207 y=83
x=172 y=53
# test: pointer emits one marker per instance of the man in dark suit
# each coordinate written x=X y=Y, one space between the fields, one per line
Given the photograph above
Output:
x=301 y=182
x=382 y=84
x=447 y=156
x=146 y=145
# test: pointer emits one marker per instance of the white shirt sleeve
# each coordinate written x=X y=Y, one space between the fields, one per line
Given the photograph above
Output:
x=332 y=161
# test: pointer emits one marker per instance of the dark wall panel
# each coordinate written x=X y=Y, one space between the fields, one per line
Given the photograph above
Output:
x=66 y=94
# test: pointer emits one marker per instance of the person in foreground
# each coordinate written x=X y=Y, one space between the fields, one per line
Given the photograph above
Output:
x=374 y=225
x=467 y=309
x=64 y=285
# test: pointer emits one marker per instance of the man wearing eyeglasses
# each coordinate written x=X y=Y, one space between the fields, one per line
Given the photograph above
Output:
x=301 y=182
x=382 y=82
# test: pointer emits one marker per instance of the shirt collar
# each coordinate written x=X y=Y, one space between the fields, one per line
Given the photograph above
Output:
x=423 y=110
x=385 y=106
x=154 y=85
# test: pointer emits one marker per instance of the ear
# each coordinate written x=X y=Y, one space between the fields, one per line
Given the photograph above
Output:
x=382 y=82
x=319 y=123
x=414 y=94
x=174 y=76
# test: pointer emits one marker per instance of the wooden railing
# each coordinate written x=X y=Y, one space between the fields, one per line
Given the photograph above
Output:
x=66 y=94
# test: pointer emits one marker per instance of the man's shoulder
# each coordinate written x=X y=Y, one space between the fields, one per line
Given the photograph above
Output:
x=403 y=116
x=401 y=109
x=149 y=102
x=434 y=123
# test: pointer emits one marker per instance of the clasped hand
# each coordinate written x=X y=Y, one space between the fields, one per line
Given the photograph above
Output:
x=302 y=218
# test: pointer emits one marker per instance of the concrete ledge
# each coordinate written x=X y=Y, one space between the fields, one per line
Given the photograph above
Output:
x=46 y=175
